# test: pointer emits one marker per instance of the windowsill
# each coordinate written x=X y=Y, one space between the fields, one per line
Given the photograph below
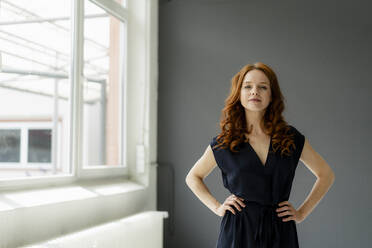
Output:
x=16 y=199
x=63 y=209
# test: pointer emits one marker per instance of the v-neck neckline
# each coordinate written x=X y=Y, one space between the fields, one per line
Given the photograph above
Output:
x=258 y=158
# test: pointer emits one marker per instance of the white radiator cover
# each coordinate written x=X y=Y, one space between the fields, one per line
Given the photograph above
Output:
x=141 y=230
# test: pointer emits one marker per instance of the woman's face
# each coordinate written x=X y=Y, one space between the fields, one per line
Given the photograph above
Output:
x=255 y=85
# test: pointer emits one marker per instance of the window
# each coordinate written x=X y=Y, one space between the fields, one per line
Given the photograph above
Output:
x=104 y=47
x=26 y=149
x=64 y=99
x=10 y=145
x=39 y=147
x=34 y=88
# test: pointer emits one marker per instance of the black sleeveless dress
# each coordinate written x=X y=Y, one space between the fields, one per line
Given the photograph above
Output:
x=263 y=187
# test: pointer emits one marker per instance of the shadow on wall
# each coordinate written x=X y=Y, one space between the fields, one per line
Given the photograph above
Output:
x=165 y=202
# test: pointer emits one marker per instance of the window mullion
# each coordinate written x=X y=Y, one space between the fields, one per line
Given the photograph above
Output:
x=24 y=146
x=76 y=76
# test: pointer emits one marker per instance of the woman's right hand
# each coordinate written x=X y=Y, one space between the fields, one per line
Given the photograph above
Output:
x=232 y=200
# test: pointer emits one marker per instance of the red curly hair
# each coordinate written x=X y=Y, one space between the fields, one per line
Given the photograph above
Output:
x=233 y=121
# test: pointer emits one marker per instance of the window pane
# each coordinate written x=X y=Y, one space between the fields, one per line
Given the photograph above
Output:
x=35 y=40
x=10 y=145
x=103 y=53
x=39 y=146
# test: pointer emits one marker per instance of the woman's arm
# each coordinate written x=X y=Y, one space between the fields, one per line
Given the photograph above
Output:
x=196 y=175
x=325 y=178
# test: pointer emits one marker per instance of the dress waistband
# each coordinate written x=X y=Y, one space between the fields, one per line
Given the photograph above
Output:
x=267 y=204
x=267 y=229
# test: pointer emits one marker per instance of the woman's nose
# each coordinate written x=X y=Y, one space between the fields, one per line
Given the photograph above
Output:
x=254 y=90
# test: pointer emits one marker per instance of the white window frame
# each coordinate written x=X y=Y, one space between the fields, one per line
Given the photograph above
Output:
x=78 y=173
x=24 y=127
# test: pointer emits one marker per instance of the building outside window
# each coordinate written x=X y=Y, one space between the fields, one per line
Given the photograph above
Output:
x=37 y=96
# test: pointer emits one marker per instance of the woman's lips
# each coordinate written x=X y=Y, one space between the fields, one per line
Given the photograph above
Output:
x=254 y=100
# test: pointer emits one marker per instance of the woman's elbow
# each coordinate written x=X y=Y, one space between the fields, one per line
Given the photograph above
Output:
x=332 y=176
x=191 y=179
x=329 y=176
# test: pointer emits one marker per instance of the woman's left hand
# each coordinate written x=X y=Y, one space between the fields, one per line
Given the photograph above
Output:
x=289 y=210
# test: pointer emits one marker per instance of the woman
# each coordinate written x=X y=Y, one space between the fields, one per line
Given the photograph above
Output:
x=257 y=153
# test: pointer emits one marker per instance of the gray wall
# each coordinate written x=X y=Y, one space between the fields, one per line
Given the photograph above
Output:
x=321 y=52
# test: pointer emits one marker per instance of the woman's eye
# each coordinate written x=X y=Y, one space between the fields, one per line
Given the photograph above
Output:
x=264 y=87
